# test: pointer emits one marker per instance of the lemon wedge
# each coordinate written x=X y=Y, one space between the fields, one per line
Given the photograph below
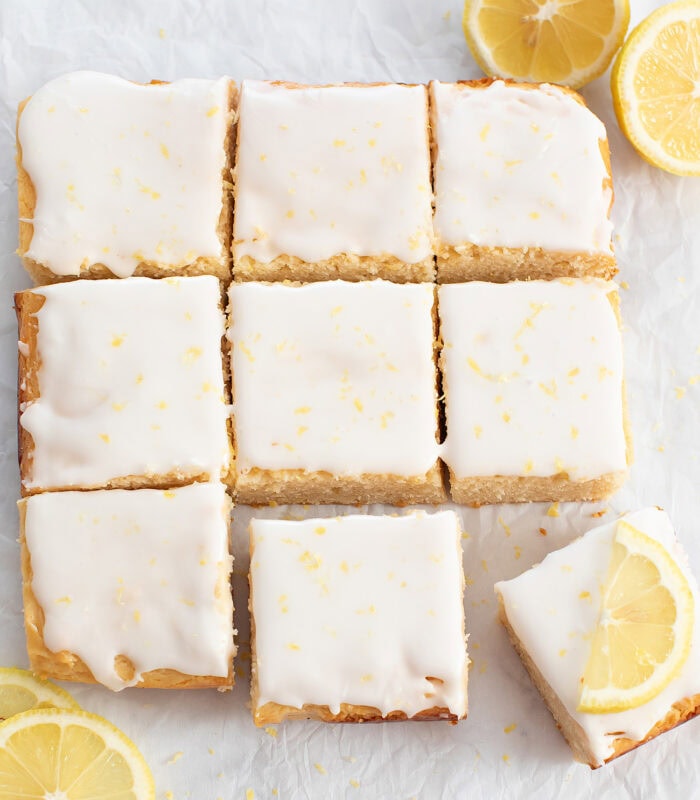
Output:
x=656 y=88
x=644 y=631
x=63 y=754
x=20 y=691
x=558 y=41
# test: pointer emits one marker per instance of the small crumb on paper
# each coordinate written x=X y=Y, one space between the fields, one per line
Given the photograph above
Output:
x=510 y=728
x=271 y=732
x=320 y=768
x=176 y=757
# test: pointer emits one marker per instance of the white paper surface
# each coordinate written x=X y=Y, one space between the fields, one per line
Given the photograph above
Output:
x=657 y=218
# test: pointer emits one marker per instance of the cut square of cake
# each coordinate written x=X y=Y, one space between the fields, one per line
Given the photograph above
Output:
x=358 y=618
x=522 y=183
x=534 y=392
x=117 y=178
x=333 y=182
x=121 y=384
x=334 y=393
x=129 y=588
x=608 y=630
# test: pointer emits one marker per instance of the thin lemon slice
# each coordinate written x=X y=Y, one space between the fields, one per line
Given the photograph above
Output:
x=645 y=627
x=61 y=754
x=20 y=691
x=656 y=88
x=558 y=41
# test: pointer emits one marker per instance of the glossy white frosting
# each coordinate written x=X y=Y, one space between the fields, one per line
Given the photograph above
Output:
x=518 y=167
x=323 y=171
x=553 y=609
x=131 y=382
x=533 y=378
x=360 y=610
x=334 y=376
x=124 y=172
x=139 y=573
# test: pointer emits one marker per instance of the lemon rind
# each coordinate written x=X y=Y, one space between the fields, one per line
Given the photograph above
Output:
x=45 y=691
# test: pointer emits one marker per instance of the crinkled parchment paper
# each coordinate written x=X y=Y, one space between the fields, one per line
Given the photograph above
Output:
x=509 y=746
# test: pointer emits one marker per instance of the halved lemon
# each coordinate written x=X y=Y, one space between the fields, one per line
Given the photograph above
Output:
x=656 y=88
x=20 y=691
x=644 y=631
x=62 y=754
x=558 y=41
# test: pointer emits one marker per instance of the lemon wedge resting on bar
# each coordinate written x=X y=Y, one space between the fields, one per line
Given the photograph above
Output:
x=644 y=631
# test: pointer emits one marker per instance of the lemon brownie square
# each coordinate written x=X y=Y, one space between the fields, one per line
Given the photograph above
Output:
x=117 y=178
x=334 y=393
x=129 y=588
x=608 y=631
x=523 y=187
x=121 y=384
x=532 y=375
x=358 y=618
x=333 y=182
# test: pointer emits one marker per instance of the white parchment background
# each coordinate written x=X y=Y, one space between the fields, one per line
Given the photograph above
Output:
x=657 y=219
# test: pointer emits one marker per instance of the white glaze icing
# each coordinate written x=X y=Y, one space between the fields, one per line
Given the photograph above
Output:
x=131 y=382
x=554 y=607
x=518 y=167
x=334 y=376
x=533 y=378
x=328 y=170
x=123 y=172
x=140 y=573
x=360 y=610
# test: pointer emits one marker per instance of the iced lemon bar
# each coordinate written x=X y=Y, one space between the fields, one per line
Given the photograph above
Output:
x=358 y=618
x=608 y=629
x=333 y=182
x=129 y=588
x=334 y=393
x=522 y=183
x=117 y=178
x=534 y=394
x=121 y=384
